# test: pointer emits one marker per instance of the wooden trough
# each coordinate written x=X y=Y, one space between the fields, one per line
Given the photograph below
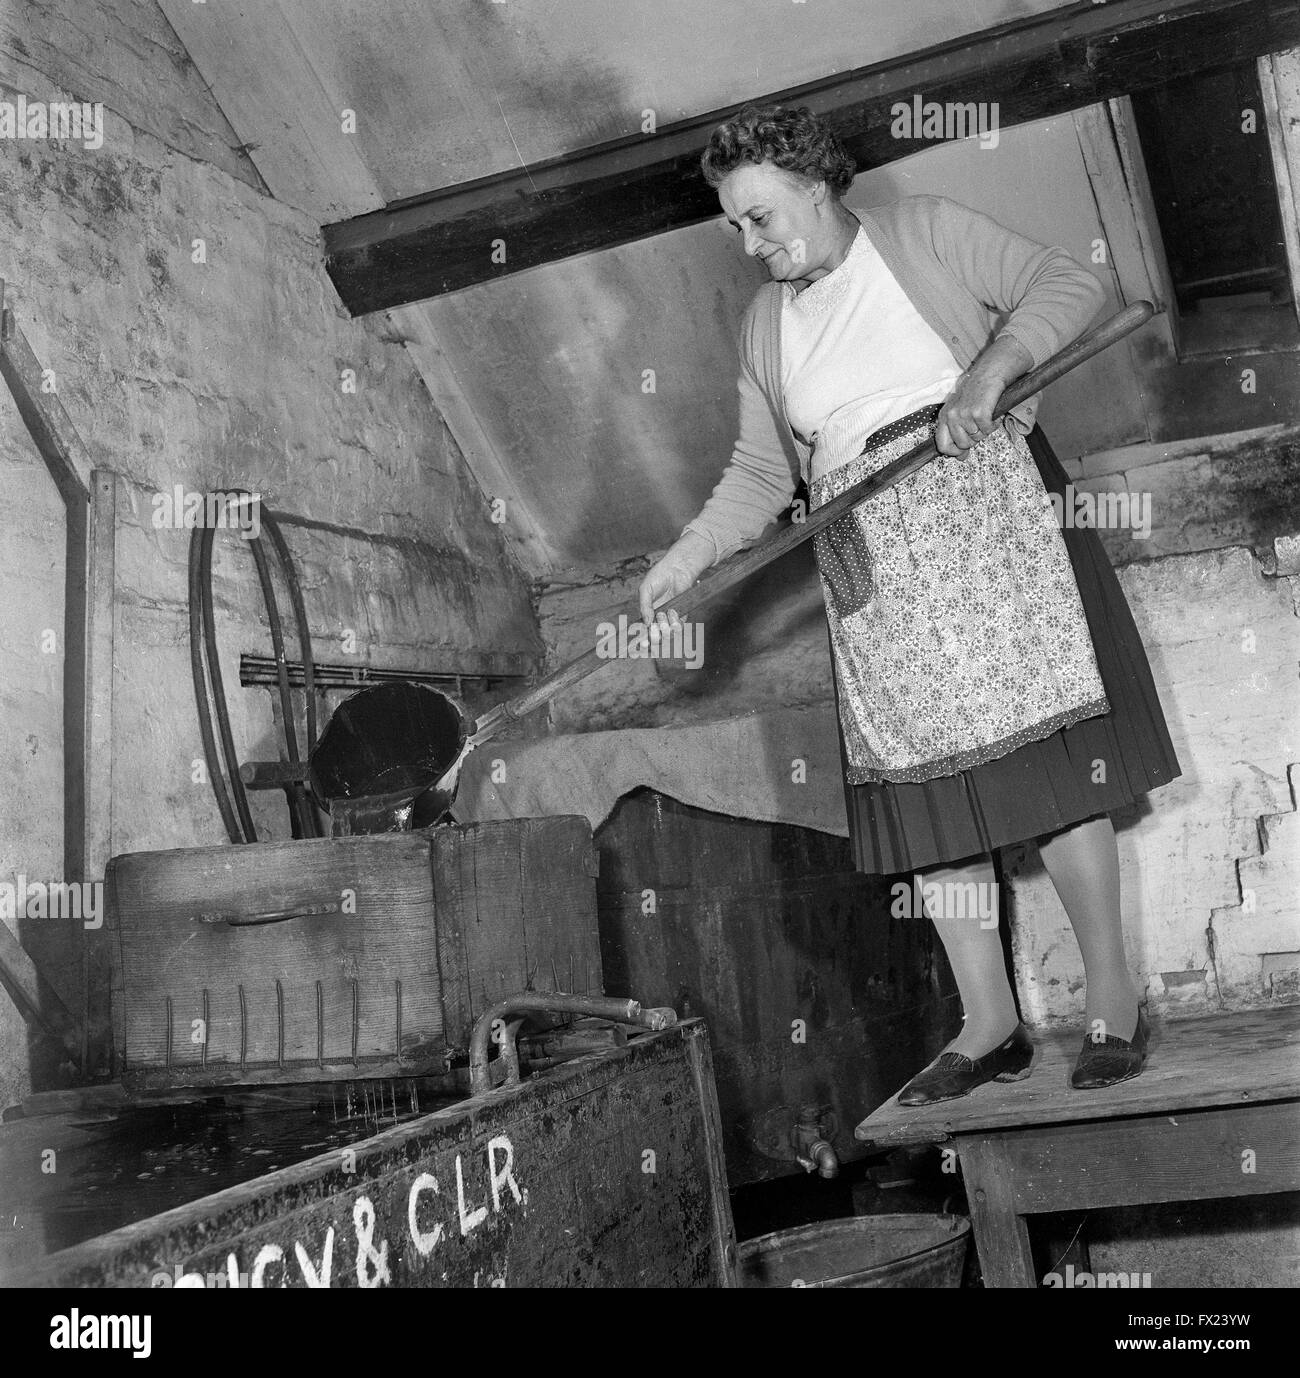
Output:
x=607 y=1171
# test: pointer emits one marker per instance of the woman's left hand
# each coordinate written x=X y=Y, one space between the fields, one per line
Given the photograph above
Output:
x=967 y=415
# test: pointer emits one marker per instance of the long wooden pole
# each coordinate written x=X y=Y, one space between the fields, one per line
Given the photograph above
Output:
x=746 y=562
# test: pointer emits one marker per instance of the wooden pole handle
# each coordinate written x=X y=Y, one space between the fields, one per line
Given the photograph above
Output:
x=746 y=562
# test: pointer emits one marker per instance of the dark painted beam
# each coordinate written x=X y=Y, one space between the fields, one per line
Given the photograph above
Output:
x=619 y=192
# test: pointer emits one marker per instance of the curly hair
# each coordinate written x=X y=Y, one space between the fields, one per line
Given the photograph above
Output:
x=790 y=137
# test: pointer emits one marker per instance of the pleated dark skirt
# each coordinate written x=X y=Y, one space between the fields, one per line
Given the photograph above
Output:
x=1077 y=773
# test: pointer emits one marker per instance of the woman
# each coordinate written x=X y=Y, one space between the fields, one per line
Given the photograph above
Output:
x=990 y=683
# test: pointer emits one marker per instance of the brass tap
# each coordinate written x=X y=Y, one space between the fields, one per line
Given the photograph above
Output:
x=813 y=1149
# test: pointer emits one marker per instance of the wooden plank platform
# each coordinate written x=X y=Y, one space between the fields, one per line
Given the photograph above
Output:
x=1215 y=1113
x=1219 y=1060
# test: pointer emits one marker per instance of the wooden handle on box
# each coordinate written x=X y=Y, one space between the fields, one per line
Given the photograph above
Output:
x=269 y=916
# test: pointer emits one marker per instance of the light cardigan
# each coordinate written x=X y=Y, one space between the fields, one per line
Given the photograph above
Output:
x=964 y=273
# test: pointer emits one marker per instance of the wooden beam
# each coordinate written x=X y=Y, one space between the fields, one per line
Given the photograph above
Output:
x=618 y=192
x=1277 y=77
x=67 y=459
x=35 y=998
x=101 y=638
x=52 y=431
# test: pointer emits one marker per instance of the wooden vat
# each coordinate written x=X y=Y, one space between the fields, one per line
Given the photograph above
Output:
x=814 y=994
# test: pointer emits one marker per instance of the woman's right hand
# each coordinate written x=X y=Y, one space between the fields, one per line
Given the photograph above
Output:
x=664 y=582
x=671 y=576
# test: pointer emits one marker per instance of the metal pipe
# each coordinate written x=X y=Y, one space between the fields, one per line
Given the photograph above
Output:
x=300 y=794
x=825 y=1159
x=259 y=669
x=238 y=819
x=552 y=1002
x=206 y=535
x=509 y=1055
x=206 y=733
x=300 y=616
x=300 y=807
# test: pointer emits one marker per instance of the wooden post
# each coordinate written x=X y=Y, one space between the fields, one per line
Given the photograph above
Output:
x=99 y=630
x=90 y=502
x=1001 y=1234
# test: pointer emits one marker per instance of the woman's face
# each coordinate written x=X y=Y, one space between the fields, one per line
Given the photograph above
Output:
x=786 y=221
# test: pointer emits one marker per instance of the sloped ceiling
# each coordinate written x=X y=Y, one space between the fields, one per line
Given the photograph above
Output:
x=545 y=377
x=449 y=90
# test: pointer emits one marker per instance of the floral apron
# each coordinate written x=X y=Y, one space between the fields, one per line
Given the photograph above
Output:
x=956 y=625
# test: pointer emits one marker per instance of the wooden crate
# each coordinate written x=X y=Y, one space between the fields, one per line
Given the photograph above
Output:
x=401 y=940
x=350 y=984
x=516 y=906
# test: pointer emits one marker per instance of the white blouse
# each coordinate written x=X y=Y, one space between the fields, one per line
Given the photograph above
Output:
x=856 y=355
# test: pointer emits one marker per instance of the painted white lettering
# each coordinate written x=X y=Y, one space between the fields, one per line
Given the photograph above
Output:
x=425 y=1242
x=311 y=1275
x=266 y=1255
x=468 y=1219
x=502 y=1176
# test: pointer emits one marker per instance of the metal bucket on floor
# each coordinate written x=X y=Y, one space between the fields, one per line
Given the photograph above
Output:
x=860 y=1251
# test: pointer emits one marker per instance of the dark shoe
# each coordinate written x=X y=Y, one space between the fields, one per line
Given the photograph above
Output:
x=1113 y=1060
x=954 y=1074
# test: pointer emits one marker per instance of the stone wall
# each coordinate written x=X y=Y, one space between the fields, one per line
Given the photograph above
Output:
x=195 y=339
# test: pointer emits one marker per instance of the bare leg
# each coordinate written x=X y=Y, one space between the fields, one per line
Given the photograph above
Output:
x=969 y=934
x=1083 y=862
